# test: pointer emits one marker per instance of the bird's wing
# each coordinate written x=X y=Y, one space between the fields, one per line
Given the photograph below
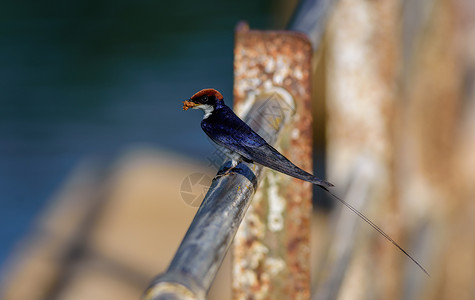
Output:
x=237 y=141
x=229 y=131
x=237 y=136
x=268 y=156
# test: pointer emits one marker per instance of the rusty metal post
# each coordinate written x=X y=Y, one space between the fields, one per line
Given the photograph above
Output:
x=271 y=249
x=362 y=74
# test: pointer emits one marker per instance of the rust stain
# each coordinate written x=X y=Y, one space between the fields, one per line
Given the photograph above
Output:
x=271 y=249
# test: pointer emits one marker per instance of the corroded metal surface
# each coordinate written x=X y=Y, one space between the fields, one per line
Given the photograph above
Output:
x=271 y=249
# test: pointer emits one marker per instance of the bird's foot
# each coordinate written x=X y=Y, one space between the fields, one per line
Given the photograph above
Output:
x=223 y=172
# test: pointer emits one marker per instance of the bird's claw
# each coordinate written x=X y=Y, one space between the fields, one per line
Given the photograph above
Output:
x=228 y=171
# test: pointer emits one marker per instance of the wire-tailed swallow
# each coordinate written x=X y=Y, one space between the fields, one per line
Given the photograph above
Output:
x=227 y=130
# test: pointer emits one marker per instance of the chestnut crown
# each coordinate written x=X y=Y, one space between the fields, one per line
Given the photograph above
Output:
x=207 y=96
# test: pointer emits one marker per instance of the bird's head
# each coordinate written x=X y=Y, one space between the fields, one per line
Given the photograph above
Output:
x=206 y=99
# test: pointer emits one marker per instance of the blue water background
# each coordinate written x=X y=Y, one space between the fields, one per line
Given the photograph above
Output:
x=85 y=79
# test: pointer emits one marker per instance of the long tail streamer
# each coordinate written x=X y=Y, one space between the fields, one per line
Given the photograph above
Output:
x=375 y=227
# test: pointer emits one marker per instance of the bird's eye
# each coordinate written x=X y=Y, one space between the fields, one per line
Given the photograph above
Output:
x=205 y=99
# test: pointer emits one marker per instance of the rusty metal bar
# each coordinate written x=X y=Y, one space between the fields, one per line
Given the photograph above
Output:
x=271 y=251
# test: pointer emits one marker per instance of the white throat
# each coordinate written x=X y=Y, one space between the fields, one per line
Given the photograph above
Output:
x=207 y=109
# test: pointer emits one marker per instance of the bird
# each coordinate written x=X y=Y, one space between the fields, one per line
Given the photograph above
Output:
x=242 y=143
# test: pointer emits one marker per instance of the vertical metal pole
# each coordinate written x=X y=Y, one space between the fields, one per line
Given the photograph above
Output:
x=271 y=249
x=362 y=73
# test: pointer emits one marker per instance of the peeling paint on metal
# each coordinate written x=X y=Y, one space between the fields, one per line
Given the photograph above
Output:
x=275 y=218
x=274 y=265
x=276 y=66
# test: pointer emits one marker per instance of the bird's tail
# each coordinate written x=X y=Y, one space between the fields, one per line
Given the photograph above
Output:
x=362 y=216
x=282 y=164
x=322 y=183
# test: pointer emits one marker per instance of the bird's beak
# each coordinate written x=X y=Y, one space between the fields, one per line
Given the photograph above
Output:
x=188 y=104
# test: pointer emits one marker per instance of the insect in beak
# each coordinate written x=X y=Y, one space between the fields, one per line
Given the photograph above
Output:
x=188 y=104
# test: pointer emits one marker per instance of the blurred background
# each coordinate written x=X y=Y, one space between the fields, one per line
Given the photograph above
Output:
x=97 y=158
x=87 y=85
x=88 y=79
